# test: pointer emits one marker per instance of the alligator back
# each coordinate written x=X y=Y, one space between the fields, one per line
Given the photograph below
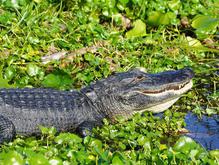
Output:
x=29 y=108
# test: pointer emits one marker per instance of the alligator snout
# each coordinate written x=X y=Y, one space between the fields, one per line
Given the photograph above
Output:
x=188 y=72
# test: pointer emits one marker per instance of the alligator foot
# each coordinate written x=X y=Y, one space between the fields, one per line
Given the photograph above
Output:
x=7 y=130
x=85 y=129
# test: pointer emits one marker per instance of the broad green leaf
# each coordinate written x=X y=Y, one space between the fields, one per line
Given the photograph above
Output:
x=210 y=111
x=55 y=161
x=120 y=6
x=52 y=81
x=33 y=40
x=37 y=1
x=193 y=42
x=96 y=143
x=205 y=23
x=38 y=159
x=4 y=83
x=174 y=5
x=214 y=154
x=185 y=144
x=117 y=159
x=5 y=18
x=12 y=158
x=122 y=146
x=195 y=1
x=58 y=79
x=139 y=29
x=33 y=69
x=156 y=18
x=123 y=1
x=10 y=72
x=67 y=138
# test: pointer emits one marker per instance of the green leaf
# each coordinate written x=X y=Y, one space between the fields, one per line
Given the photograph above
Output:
x=214 y=154
x=156 y=18
x=55 y=161
x=52 y=81
x=185 y=144
x=10 y=72
x=38 y=159
x=48 y=131
x=117 y=159
x=123 y=1
x=33 y=69
x=145 y=142
x=58 y=79
x=4 y=83
x=5 y=18
x=210 y=111
x=96 y=144
x=120 y=6
x=12 y=158
x=193 y=42
x=67 y=138
x=174 y=5
x=139 y=29
x=205 y=23
x=33 y=40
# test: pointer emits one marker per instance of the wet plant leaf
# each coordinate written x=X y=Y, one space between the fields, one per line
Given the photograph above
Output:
x=193 y=42
x=117 y=159
x=205 y=23
x=4 y=83
x=138 y=30
x=67 y=138
x=11 y=158
x=185 y=144
x=38 y=159
x=156 y=18
x=33 y=69
x=10 y=72
x=57 y=79
x=5 y=18
x=214 y=154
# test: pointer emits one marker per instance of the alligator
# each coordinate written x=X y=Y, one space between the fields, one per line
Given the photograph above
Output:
x=23 y=111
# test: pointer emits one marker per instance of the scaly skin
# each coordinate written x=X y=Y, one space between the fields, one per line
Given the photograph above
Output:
x=29 y=108
x=22 y=111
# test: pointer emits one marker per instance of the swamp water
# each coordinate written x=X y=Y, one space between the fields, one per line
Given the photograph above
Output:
x=205 y=131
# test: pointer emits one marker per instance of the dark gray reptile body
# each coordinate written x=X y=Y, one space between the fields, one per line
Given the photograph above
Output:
x=29 y=108
x=22 y=111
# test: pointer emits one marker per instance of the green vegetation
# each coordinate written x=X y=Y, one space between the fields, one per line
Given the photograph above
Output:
x=101 y=37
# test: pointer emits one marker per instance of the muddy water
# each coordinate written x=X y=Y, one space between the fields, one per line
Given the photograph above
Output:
x=205 y=131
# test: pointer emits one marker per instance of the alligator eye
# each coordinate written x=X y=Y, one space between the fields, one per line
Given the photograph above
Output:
x=140 y=77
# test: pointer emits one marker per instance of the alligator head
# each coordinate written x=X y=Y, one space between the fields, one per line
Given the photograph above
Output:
x=137 y=91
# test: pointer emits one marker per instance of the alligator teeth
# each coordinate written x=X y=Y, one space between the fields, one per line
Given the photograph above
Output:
x=176 y=90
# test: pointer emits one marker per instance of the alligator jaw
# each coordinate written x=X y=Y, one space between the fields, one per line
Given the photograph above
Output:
x=162 y=106
x=159 y=107
x=176 y=90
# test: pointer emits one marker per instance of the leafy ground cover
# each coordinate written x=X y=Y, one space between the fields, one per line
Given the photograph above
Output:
x=93 y=39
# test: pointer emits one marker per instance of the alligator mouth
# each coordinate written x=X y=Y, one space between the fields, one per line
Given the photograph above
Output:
x=175 y=89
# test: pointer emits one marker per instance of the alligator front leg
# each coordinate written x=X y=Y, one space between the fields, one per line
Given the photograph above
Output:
x=85 y=129
x=7 y=130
